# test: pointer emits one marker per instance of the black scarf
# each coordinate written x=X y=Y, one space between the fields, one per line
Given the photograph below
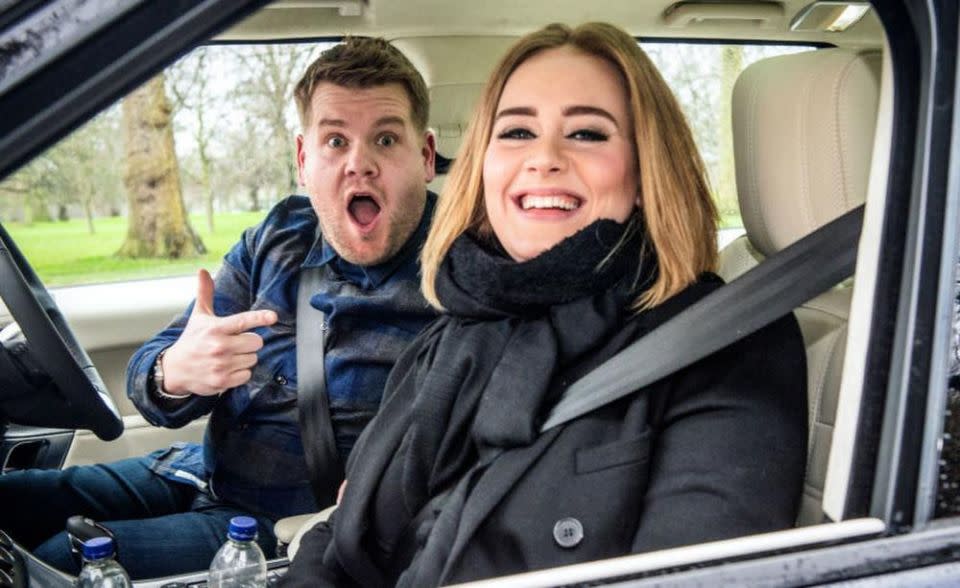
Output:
x=485 y=374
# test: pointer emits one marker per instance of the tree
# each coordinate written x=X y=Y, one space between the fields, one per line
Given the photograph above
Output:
x=725 y=187
x=190 y=85
x=157 y=222
x=81 y=171
x=260 y=166
x=87 y=168
x=266 y=91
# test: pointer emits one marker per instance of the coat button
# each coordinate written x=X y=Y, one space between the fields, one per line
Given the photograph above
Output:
x=280 y=380
x=568 y=532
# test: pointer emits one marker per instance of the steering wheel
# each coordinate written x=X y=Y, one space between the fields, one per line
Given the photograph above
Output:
x=78 y=399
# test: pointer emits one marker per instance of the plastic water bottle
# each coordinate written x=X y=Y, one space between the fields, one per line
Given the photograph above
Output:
x=240 y=562
x=100 y=570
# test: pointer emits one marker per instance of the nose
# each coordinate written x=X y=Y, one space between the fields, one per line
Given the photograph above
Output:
x=546 y=155
x=361 y=161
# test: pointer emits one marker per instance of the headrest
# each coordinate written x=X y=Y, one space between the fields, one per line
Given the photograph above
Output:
x=455 y=69
x=803 y=127
x=451 y=106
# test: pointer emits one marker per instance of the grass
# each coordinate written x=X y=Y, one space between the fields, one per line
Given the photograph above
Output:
x=65 y=253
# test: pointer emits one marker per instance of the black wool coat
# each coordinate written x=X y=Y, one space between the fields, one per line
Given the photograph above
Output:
x=717 y=450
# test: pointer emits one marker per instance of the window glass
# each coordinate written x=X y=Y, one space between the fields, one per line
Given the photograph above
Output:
x=948 y=488
x=112 y=201
x=91 y=209
x=702 y=77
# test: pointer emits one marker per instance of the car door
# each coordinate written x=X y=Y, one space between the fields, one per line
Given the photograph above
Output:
x=110 y=319
x=885 y=483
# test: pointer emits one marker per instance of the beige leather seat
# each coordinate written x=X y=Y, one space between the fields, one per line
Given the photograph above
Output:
x=803 y=128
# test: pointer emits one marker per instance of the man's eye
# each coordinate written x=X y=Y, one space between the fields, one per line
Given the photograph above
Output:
x=588 y=135
x=516 y=133
x=336 y=142
x=386 y=140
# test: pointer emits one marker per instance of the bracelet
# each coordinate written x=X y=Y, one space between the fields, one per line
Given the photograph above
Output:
x=158 y=380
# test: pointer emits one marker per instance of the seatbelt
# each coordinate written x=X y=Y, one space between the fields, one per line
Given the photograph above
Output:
x=313 y=406
x=760 y=296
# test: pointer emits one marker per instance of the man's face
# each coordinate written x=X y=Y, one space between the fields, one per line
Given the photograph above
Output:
x=365 y=167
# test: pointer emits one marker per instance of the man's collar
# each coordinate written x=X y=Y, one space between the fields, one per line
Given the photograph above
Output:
x=372 y=276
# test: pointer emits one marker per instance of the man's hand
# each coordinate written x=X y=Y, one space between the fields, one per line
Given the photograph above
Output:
x=213 y=353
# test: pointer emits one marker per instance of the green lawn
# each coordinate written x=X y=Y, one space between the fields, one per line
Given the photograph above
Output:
x=66 y=253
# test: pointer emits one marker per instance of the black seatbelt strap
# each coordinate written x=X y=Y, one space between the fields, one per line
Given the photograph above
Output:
x=316 y=429
x=760 y=296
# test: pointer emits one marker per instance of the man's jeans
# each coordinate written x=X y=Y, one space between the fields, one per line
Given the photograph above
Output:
x=161 y=527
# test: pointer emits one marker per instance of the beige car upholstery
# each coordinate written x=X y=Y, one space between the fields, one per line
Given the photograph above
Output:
x=112 y=320
x=455 y=70
x=290 y=531
x=803 y=129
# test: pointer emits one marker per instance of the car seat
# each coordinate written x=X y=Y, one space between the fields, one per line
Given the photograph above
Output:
x=803 y=130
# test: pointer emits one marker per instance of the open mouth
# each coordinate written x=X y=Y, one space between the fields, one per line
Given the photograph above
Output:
x=363 y=209
x=549 y=202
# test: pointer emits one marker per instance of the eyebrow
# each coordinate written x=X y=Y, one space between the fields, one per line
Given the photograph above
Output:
x=380 y=122
x=575 y=110
x=568 y=111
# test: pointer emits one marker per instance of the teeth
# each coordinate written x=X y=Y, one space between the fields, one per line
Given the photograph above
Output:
x=562 y=202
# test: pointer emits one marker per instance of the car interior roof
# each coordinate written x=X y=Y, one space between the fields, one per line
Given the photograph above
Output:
x=701 y=19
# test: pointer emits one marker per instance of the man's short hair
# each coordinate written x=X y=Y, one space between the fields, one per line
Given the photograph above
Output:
x=364 y=62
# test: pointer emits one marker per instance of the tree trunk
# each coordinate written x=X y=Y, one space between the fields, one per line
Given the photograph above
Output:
x=157 y=221
x=207 y=189
x=253 y=192
x=726 y=181
x=88 y=213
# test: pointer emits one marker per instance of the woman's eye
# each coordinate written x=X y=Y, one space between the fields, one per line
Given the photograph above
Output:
x=336 y=142
x=516 y=133
x=588 y=135
x=386 y=140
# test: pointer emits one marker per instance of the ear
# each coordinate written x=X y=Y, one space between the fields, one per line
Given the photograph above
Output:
x=301 y=156
x=429 y=155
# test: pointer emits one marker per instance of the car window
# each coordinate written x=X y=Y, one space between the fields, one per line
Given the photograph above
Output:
x=948 y=487
x=164 y=181
x=702 y=77
x=112 y=202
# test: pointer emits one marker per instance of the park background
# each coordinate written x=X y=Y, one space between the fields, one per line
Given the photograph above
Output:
x=166 y=180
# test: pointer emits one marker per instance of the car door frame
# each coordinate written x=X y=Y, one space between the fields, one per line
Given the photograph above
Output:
x=900 y=422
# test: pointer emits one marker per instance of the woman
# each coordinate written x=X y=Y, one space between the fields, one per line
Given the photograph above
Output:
x=576 y=219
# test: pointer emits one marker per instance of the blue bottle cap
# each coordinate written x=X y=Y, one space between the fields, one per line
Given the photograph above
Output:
x=98 y=548
x=242 y=528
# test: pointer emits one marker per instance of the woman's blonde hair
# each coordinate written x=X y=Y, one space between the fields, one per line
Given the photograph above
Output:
x=677 y=207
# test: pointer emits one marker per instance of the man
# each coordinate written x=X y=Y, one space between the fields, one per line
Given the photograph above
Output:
x=364 y=158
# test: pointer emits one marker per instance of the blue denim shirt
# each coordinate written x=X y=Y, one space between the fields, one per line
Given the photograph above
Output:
x=252 y=455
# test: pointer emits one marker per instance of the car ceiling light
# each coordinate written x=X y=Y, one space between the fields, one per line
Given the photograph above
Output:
x=343 y=7
x=829 y=16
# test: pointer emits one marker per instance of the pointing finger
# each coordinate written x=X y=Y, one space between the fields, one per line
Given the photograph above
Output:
x=251 y=319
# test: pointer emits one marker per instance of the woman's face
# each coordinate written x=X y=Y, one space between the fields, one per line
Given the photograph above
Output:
x=561 y=152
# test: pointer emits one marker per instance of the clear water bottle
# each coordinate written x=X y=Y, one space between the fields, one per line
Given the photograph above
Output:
x=240 y=562
x=100 y=570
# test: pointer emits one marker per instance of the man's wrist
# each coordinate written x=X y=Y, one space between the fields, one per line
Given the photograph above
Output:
x=158 y=377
